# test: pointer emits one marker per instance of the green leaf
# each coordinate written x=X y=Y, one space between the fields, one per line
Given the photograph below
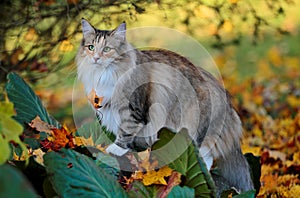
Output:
x=108 y=163
x=8 y=108
x=14 y=184
x=178 y=191
x=97 y=132
x=10 y=130
x=26 y=103
x=178 y=151
x=76 y=175
x=5 y=150
x=248 y=194
x=139 y=190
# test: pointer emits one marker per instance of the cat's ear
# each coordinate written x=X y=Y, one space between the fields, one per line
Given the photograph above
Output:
x=120 y=31
x=87 y=28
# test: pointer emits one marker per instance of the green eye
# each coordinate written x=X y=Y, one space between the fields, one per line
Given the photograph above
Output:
x=106 y=49
x=91 y=47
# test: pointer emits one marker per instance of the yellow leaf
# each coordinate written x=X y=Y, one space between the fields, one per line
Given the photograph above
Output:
x=102 y=148
x=275 y=56
x=165 y=171
x=257 y=131
x=152 y=177
x=66 y=46
x=293 y=101
x=227 y=26
x=31 y=35
x=233 y=1
x=255 y=150
x=147 y=170
x=38 y=156
x=155 y=177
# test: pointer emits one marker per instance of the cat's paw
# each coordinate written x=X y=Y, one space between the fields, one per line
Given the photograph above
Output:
x=116 y=150
x=205 y=152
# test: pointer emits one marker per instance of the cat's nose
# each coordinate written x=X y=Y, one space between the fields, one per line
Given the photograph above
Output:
x=96 y=59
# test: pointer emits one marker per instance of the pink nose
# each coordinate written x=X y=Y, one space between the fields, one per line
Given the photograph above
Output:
x=96 y=59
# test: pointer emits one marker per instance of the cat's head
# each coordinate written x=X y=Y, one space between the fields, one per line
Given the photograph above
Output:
x=102 y=47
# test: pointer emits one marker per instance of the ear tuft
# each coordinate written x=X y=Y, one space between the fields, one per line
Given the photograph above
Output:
x=120 y=31
x=87 y=27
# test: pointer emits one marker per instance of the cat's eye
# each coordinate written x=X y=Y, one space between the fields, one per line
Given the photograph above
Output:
x=91 y=47
x=106 y=49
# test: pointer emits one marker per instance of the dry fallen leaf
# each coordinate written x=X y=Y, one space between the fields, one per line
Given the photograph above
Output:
x=57 y=138
x=147 y=170
x=41 y=126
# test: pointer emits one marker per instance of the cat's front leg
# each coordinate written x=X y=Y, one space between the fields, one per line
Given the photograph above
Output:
x=125 y=136
x=116 y=150
x=120 y=146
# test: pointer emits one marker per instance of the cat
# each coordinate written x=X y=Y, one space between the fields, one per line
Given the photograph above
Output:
x=144 y=91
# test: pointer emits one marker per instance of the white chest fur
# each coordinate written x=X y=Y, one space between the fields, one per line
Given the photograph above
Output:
x=102 y=81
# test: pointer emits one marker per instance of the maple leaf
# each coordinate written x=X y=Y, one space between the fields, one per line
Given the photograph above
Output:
x=147 y=170
x=62 y=138
x=57 y=138
x=84 y=141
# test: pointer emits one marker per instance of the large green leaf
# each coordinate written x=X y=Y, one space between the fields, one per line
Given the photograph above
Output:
x=10 y=130
x=178 y=191
x=76 y=175
x=14 y=184
x=139 y=190
x=108 y=163
x=178 y=151
x=26 y=103
x=97 y=132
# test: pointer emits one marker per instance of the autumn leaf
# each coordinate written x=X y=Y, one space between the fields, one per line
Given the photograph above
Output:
x=41 y=126
x=31 y=35
x=66 y=46
x=16 y=55
x=83 y=141
x=157 y=177
x=57 y=138
x=147 y=170
x=95 y=100
x=61 y=138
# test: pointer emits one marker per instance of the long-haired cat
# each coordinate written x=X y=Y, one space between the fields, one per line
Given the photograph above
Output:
x=143 y=91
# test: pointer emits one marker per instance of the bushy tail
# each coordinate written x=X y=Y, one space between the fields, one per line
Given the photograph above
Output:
x=233 y=171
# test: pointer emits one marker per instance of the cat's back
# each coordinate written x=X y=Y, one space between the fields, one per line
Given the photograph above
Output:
x=169 y=58
x=200 y=79
x=183 y=65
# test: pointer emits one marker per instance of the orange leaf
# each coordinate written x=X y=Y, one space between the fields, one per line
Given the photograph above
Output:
x=57 y=139
x=30 y=35
x=95 y=100
x=269 y=182
x=15 y=57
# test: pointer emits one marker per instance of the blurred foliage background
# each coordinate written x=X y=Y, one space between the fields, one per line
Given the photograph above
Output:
x=255 y=44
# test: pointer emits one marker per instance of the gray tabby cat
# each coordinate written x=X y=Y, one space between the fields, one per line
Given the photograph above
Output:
x=143 y=91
